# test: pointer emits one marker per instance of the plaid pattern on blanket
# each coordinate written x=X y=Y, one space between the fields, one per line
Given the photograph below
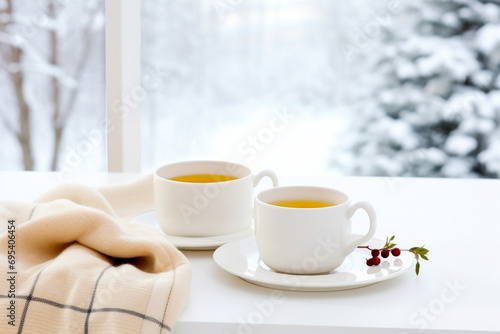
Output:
x=81 y=267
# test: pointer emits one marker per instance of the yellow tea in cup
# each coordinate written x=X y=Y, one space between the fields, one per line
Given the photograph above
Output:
x=303 y=203
x=203 y=178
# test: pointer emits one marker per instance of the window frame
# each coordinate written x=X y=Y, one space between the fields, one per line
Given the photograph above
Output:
x=123 y=85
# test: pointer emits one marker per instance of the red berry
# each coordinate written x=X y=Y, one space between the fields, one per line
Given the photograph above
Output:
x=375 y=252
x=396 y=251
x=369 y=262
x=376 y=261
x=385 y=253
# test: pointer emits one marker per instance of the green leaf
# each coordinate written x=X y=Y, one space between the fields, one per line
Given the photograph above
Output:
x=392 y=238
x=414 y=249
x=424 y=257
x=417 y=268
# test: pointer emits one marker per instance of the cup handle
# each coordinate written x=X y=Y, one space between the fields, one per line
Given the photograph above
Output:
x=272 y=175
x=373 y=225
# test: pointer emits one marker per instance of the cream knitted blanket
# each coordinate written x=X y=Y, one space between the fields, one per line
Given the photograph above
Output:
x=72 y=263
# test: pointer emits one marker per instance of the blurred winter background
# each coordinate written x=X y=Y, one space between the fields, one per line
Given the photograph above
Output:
x=391 y=88
x=52 y=88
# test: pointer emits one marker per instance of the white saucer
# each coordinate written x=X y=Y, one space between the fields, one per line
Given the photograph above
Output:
x=192 y=243
x=206 y=243
x=241 y=258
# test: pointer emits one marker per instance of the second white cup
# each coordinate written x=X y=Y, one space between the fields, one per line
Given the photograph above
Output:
x=310 y=236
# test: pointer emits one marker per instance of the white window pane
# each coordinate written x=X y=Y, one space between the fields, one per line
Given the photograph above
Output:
x=257 y=82
x=52 y=85
x=374 y=88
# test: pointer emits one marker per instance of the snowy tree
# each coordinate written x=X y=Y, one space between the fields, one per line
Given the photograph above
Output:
x=12 y=53
x=44 y=52
x=435 y=110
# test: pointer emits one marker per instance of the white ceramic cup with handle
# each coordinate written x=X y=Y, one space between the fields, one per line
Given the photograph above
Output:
x=192 y=209
x=307 y=240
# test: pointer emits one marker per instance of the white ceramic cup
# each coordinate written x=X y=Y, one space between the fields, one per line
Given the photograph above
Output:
x=205 y=209
x=307 y=240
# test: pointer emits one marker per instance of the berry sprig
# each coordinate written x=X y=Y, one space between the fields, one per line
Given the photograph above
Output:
x=390 y=248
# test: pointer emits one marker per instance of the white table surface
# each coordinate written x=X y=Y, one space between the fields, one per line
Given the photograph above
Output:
x=457 y=290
